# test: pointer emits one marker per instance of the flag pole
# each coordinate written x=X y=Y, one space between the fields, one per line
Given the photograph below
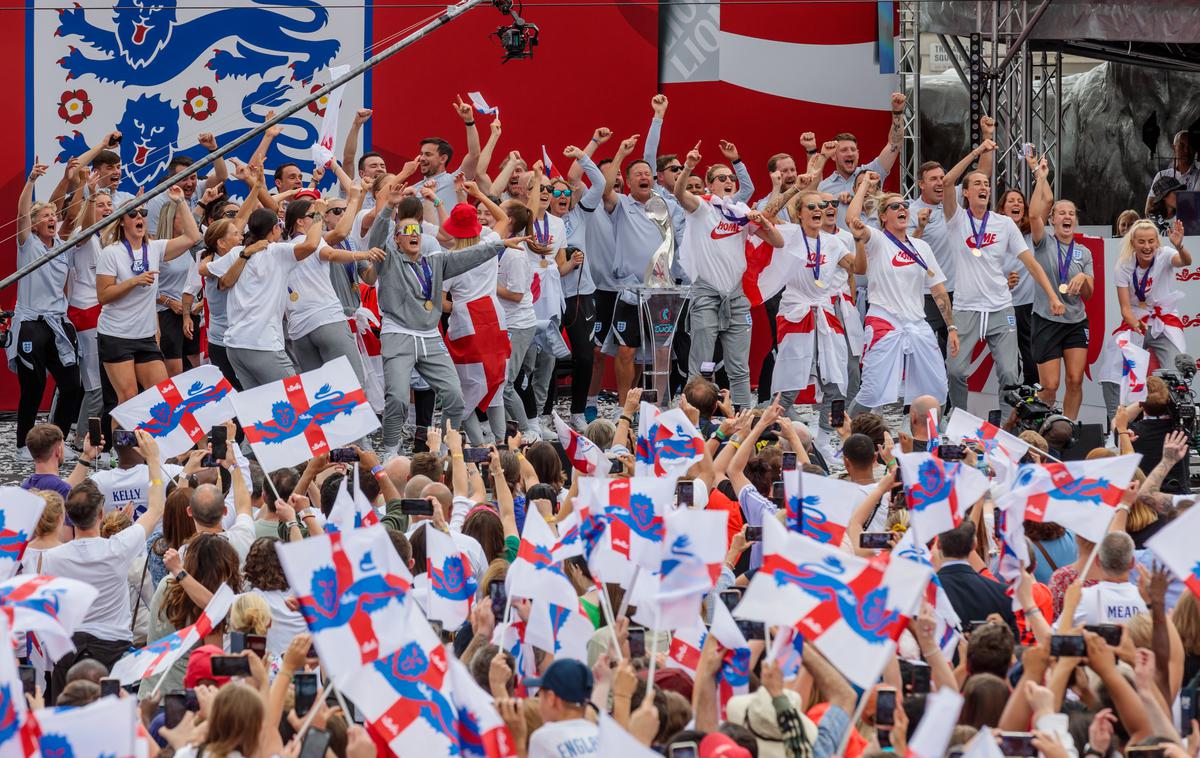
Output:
x=629 y=593
x=606 y=606
x=653 y=654
x=858 y=709
x=446 y=17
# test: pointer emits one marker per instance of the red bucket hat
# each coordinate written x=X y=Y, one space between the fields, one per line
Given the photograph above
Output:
x=463 y=222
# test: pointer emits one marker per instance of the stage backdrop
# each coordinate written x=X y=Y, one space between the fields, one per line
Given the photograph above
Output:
x=756 y=75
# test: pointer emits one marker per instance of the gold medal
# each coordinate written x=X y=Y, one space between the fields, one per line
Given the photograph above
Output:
x=544 y=263
x=1062 y=288
x=819 y=283
x=428 y=305
x=294 y=296
x=976 y=252
x=929 y=273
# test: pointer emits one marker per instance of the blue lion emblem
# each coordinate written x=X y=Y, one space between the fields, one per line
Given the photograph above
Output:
x=41 y=601
x=868 y=616
x=418 y=680
x=935 y=483
x=816 y=524
x=735 y=669
x=164 y=418
x=149 y=47
x=286 y=423
x=453 y=580
x=667 y=444
x=680 y=550
x=12 y=544
x=640 y=517
x=1066 y=487
x=331 y=605
x=58 y=746
x=9 y=723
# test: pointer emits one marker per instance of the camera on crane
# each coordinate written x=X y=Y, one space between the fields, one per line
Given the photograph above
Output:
x=518 y=38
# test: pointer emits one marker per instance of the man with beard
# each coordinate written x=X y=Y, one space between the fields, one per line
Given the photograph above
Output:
x=846 y=167
x=435 y=155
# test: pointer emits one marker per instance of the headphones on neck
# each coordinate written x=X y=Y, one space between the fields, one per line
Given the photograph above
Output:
x=1054 y=418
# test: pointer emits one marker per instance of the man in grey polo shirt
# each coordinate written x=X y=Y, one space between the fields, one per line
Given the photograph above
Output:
x=435 y=155
x=846 y=165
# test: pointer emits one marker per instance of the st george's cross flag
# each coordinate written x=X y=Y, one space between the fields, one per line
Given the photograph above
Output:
x=1175 y=545
x=1135 y=367
x=479 y=346
x=536 y=573
x=562 y=631
x=352 y=588
x=686 y=644
x=158 y=656
x=585 y=456
x=1079 y=495
x=420 y=700
x=179 y=411
x=291 y=420
x=635 y=508
x=823 y=505
x=693 y=553
x=350 y=511
x=964 y=427
x=938 y=492
x=20 y=511
x=452 y=584
x=18 y=732
x=932 y=735
x=76 y=732
x=946 y=629
x=322 y=149
x=50 y=606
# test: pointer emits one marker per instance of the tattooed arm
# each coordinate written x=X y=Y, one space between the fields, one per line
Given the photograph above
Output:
x=942 y=298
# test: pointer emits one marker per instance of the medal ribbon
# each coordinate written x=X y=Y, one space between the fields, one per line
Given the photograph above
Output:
x=133 y=261
x=981 y=231
x=809 y=252
x=1064 y=262
x=1140 y=287
x=426 y=282
x=912 y=254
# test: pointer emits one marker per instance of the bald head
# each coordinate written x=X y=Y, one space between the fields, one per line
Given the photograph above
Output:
x=414 y=486
x=918 y=413
x=443 y=495
x=397 y=470
x=208 y=506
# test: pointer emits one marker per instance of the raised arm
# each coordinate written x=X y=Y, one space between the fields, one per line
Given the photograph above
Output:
x=467 y=114
x=577 y=170
x=987 y=131
x=610 y=172
x=62 y=196
x=156 y=499
x=350 y=149
x=269 y=135
x=745 y=183
x=25 y=202
x=887 y=157
x=1040 y=201
x=177 y=246
x=594 y=195
x=950 y=197
x=220 y=172
x=1182 y=257
x=689 y=201
x=658 y=104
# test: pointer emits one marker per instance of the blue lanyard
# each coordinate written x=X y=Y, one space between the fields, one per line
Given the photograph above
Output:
x=133 y=262
x=809 y=253
x=912 y=254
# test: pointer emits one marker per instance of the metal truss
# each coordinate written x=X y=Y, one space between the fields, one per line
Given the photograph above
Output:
x=910 y=83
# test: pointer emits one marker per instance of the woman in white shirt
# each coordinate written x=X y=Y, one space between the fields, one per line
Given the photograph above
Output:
x=514 y=287
x=549 y=261
x=127 y=286
x=316 y=322
x=257 y=280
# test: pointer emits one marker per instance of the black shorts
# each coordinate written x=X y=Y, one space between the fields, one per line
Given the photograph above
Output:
x=119 y=349
x=170 y=334
x=192 y=346
x=605 y=300
x=625 y=324
x=1051 y=338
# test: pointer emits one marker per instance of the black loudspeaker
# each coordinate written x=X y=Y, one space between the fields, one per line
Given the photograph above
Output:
x=1088 y=437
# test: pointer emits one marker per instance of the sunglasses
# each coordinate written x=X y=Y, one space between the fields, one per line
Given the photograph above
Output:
x=722 y=177
x=409 y=230
x=336 y=211
x=822 y=205
x=561 y=192
x=138 y=212
x=896 y=205
x=673 y=169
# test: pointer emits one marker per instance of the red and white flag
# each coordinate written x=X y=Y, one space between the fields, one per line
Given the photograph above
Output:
x=635 y=509
x=667 y=444
x=823 y=507
x=20 y=511
x=964 y=427
x=350 y=511
x=568 y=544
x=932 y=735
x=733 y=678
x=548 y=165
x=158 y=656
x=352 y=587
x=322 y=149
x=1176 y=546
x=852 y=609
x=932 y=431
x=686 y=644
x=938 y=492
x=562 y=631
x=693 y=553
x=1135 y=367
x=72 y=732
x=452 y=583
x=1079 y=495
x=50 y=606
x=946 y=629
x=479 y=346
x=18 y=732
x=291 y=420
x=536 y=573
x=179 y=411
x=1014 y=550
x=420 y=700
x=583 y=454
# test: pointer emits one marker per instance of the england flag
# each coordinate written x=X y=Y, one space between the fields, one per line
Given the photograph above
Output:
x=289 y=421
x=452 y=584
x=352 y=587
x=18 y=731
x=350 y=511
x=158 y=656
x=584 y=455
x=635 y=509
x=479 y=345
x=1175 y=545
x=50 y=606
x=693 y=553
x=938 y=492
x=179 y=411
x=686 y=644
x=20 y=511
x=71 y=732
x=562 y=631
x=536 y=573
x=667 y=444
x=948 y=622
x=1080 y=495
x=819 y=507
x=964 y=427
x=1135 y=367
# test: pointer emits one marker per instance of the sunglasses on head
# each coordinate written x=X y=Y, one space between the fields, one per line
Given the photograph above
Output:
x=822 y=205
x=336 y=211
x=722 y=177
x=409 y=230
x=896 y=205
x=229 y=214
x=561 y=192
x=138 y=212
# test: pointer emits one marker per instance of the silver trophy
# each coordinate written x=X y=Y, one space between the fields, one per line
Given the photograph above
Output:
x=658 y=274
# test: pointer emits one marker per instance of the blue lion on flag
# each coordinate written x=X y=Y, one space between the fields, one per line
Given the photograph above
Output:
x=935 y=483
x=667 y=443
x=640 y=517
x=868 y=616
x=12 y=544
x=286 y=423
x=453 y=580
x=165 y=418
x=417 y=681
x=333 y=605
x=58 y=746
x=1066 y=487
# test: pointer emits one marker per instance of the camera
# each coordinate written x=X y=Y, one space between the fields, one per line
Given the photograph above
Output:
x=518 y=38
x=1031 y=411
x=1183 y=400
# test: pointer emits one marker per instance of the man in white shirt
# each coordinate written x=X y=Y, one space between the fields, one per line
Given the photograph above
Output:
x=1184 y=168
x=207 y=510
x=566 y=687
x=104 y=634
x=1113 y=599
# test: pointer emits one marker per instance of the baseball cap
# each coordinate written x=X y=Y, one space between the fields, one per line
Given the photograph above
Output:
x=717 y=745
x=199 y=667
x=307 y=194
x=567 y=678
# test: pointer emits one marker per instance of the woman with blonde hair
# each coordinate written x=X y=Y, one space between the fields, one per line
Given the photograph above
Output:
x=1145 y=281
x=46 y=534
x=1124 y=221
x=251 y=614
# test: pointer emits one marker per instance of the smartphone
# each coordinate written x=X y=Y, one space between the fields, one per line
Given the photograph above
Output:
x=616 y=467
x=237 y=642
x=193 y=703
x=218 y=437
x=230 y=665
x=1018 y=743
x=685 y=492
x=343 y=455
x=305 y=685
x=174 y=707
x=416 y=506
x=316 y=742
x=476 y=454
x=1149 y=751
x=754 y=534
x=1068 y=645
x=731 y=598
x=837 y=413
x=875 y=540
x=511 y=428
x=789 y=461
x=683 y=750
x=110 y=686
x=637 y=642
x=974 y=624
x=258 y=644
x=1188 y=708
x=1110 y=633
x=885 y=707
x=752 y=630
x=114 y=140
x=994 y=417
x=94 y=433
x=124 y=438
x=916 y=676
x=28 y=679
x=777 y=492
x=950 y=452
x=499 y=595
x=650 y=396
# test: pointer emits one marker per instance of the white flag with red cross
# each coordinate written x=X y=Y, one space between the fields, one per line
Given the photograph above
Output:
x=1135 y=367
x=965 y=427
x=178 y=412
x=72 y=732
x=1080 y=495
x=479 y=346
x=292 y=420
x=1175 y=545
x=158 y=656
x=322 y=149
x=20 y=511
x=51 y=606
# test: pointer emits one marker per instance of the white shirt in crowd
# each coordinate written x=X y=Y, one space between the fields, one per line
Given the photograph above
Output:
x=257 y=302
x=129 y=485
x=565 y=739
x=516 y=275
x=802 y=291
x=898 y=282
x=713 y=249
x=982 y=284
x=1109 y=603
x=104 y=564
x=312 y=301
x=134 y=316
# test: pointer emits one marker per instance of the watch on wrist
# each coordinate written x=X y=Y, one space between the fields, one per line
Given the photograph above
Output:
x=951 y=328
x=243 y=256
x=181 y=576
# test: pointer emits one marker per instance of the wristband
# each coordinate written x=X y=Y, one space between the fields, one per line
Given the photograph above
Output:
x=811 y=152
x=457 y=456
x=243 y=256
x=1123 y=507
x=181 y=576
x=468 y=123
x=1031 y=611
x=735 y=444
x=378 y=472
x=951 y=328
x=82 y=462
x=735 y=161
x=722 y=436
x=627 y=419
x=898 y=113
x=436 y=203
x=156 y=482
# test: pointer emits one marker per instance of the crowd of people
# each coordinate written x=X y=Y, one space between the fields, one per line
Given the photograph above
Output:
x=458 y=291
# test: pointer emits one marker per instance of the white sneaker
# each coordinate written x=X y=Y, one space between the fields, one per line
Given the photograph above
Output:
x=531 y=434
x=830 y=445
x=580 y=422
x=24 y=454
x=548 y=432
